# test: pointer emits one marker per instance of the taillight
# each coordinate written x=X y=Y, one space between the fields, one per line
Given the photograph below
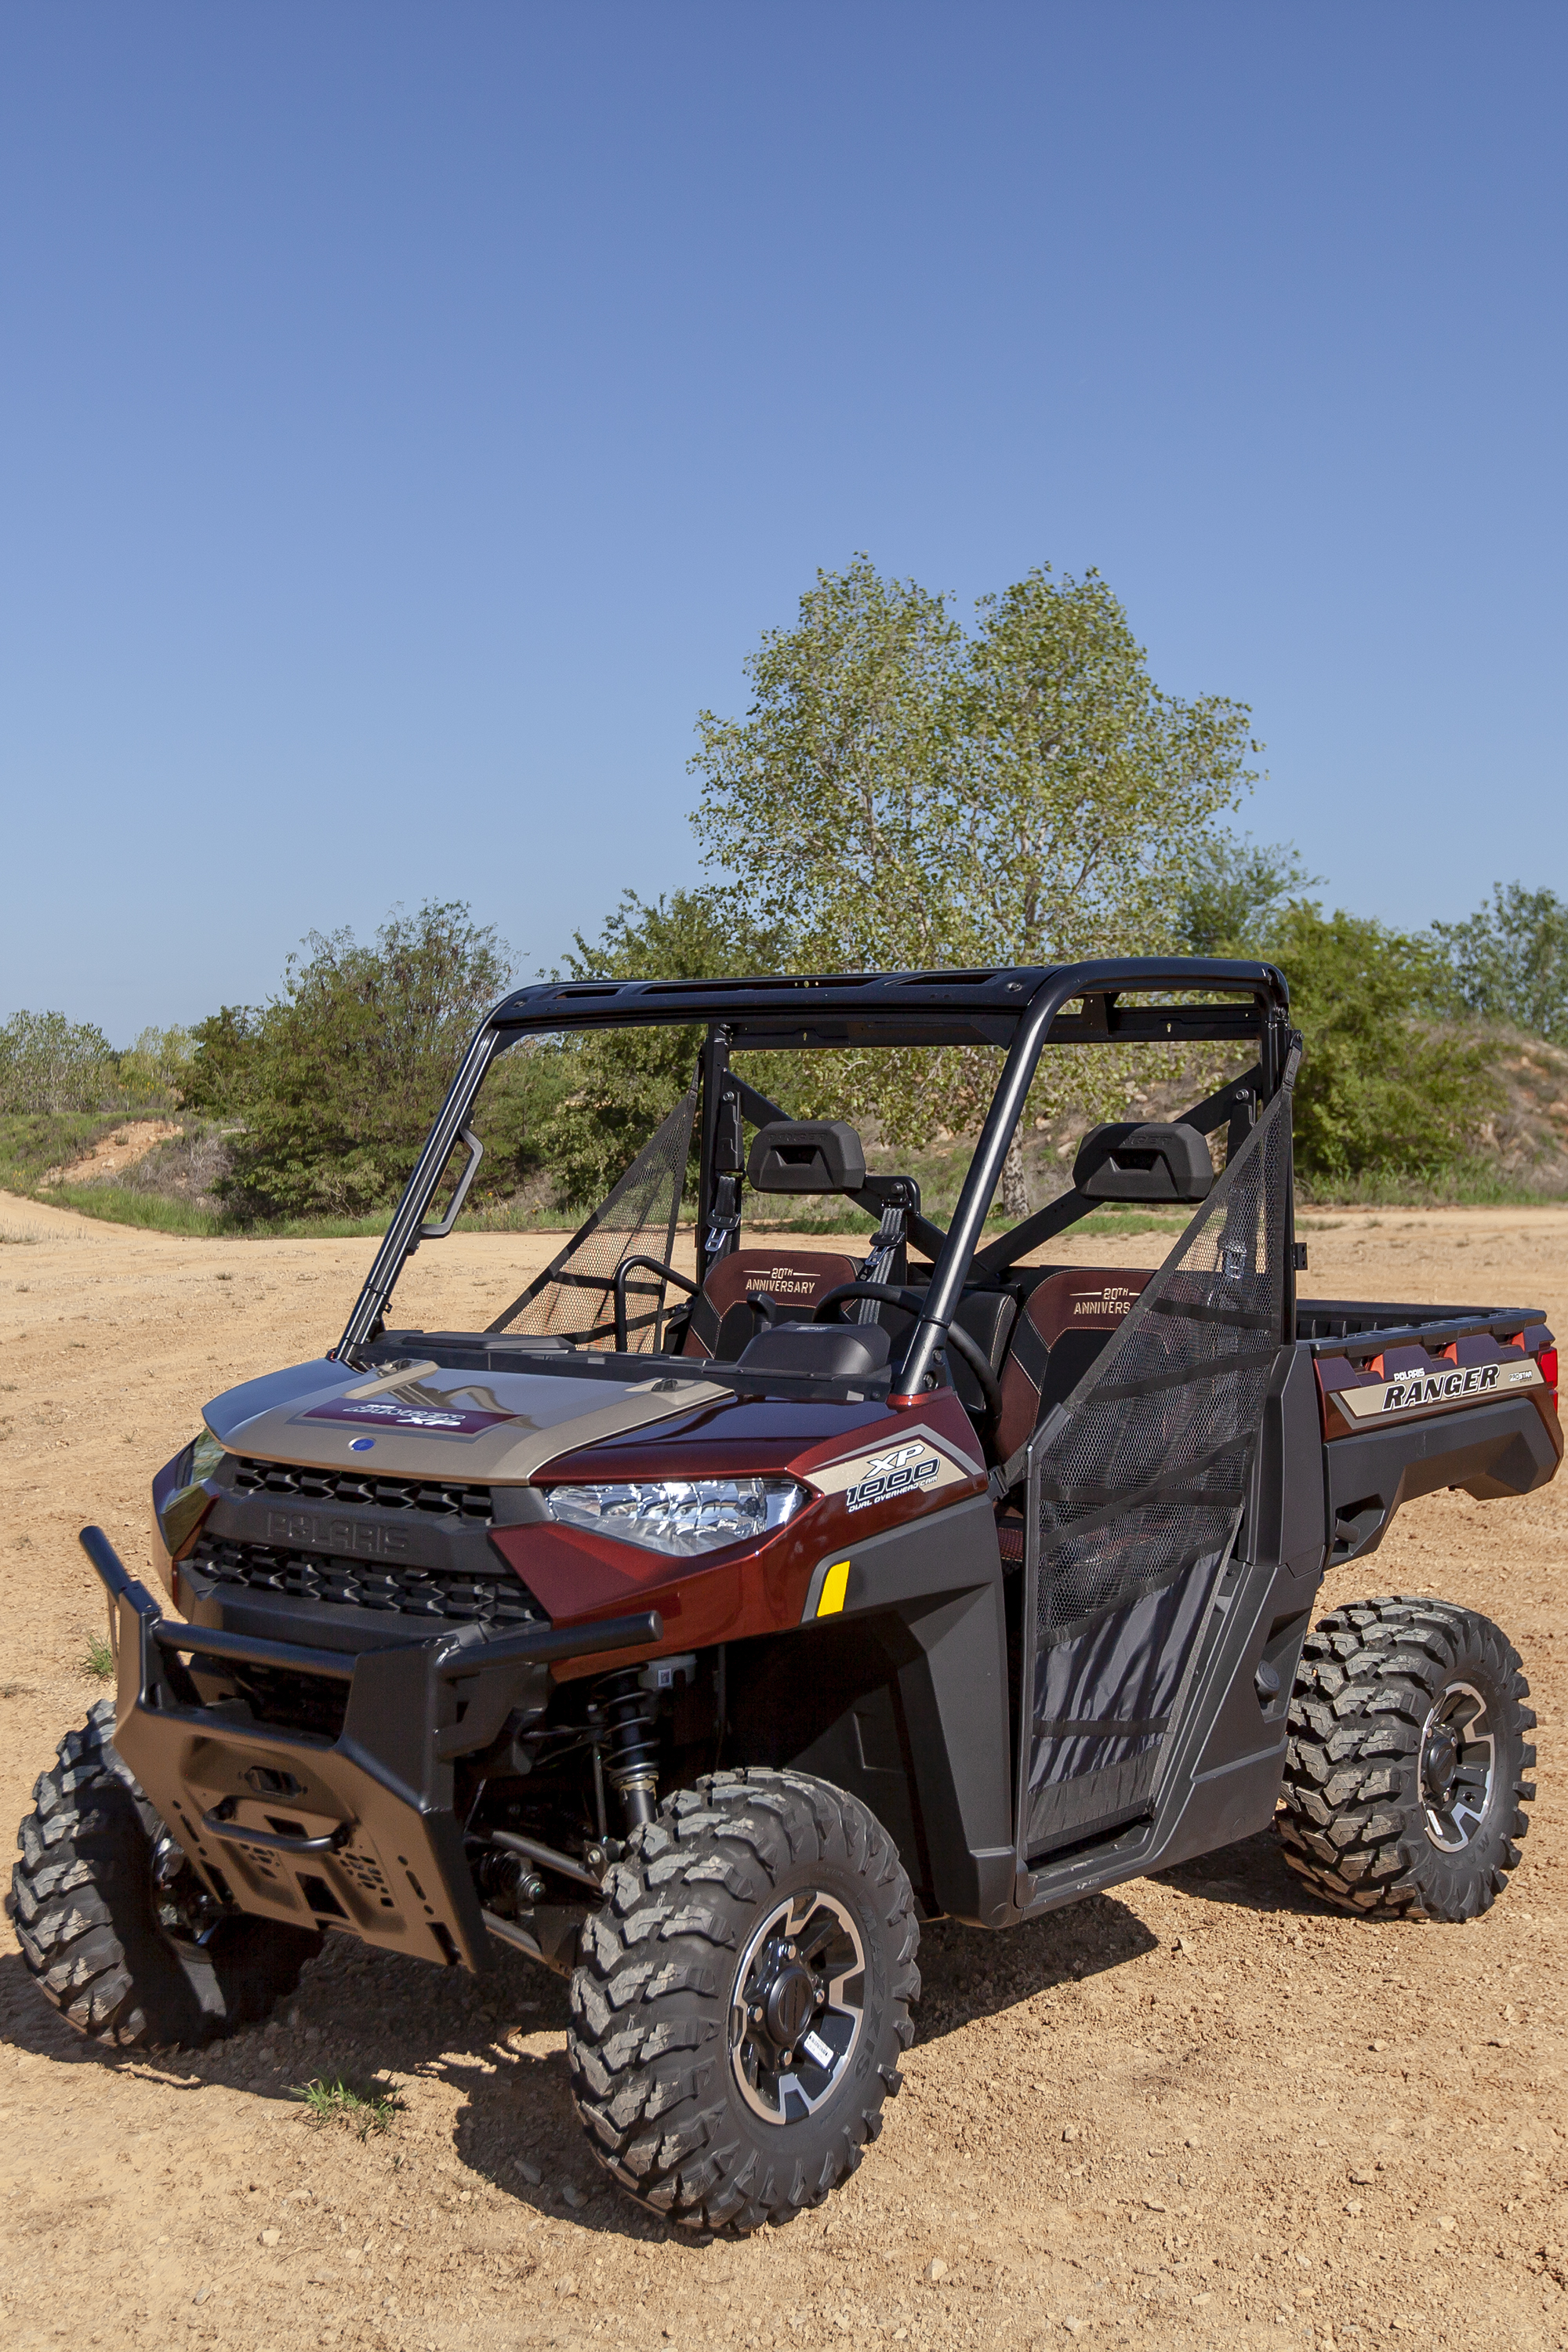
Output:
x=1547 y=1360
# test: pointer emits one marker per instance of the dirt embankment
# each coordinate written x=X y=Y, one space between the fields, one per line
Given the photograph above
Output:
x=1201 y=2110
x=115 y=1153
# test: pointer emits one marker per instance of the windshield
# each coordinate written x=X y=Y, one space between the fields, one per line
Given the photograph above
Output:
x=588 y=1206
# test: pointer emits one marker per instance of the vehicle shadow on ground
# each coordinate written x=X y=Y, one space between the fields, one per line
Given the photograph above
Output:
x=970 y=1972
x=1252 y=1875
x=379 y=2022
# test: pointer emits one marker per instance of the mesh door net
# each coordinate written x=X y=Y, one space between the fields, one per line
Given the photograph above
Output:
x=1136 y=1485
x=574 y=1299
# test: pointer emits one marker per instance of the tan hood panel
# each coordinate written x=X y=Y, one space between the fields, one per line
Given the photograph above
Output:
x=489 y=1430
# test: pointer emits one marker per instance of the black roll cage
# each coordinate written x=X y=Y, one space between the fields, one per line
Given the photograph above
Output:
x=1021 y=1010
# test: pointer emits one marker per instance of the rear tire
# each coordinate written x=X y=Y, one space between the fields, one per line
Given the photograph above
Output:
x=1404 y=1778
x=743 y=1999
x=108 y=1945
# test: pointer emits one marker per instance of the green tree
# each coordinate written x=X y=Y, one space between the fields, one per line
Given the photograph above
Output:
x=1233 y=893
x=901 y=795
x=334 y=1082
x=826 y=804
x=48 y=1063
x=154 y=1070
x=1510 y=960
x=612 y=1089
x=1384 y=1087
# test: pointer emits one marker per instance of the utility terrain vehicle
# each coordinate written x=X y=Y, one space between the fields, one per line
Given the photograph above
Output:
x=700 y=1629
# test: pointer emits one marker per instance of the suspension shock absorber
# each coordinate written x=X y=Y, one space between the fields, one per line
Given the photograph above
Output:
x=624 y=1717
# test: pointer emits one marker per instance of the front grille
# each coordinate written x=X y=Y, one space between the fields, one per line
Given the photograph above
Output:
x=497 y=1599
x=432 y=1499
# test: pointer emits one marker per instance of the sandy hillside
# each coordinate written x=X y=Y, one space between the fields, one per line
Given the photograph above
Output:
x=1201 y=2110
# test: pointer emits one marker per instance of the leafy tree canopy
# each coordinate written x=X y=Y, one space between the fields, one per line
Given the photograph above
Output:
x=1233 y=892
x=1384 y=1085
x=1510 y=960
x=333 y=1083
x=903 y=794
x=156 y=1067
x=50 y=1063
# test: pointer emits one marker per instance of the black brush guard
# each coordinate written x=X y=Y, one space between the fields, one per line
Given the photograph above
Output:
x=357 y=1833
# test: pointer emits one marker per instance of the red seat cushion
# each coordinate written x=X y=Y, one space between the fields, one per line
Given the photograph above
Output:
x=796 y=1278
x=1090 y=1299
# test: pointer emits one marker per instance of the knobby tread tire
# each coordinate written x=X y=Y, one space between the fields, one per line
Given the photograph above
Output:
x=1351 y=1823
x=85 y=1910
x=647 y=2046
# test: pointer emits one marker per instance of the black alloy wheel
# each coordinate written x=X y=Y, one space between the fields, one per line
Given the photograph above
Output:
x=743 y=1999
x=797 y=2006
x=1406 y=1772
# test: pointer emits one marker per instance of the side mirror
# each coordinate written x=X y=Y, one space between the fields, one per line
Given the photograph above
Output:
x=807 y=1155
x=1152 y=1163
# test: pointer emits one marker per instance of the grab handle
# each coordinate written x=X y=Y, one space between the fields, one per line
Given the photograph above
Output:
x=237 y=1830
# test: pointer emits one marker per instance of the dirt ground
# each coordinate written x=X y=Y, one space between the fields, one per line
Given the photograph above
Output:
x=1200 y=2110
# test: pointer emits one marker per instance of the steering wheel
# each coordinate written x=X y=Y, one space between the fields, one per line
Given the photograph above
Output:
x=643 y=1264
x=911 y=1301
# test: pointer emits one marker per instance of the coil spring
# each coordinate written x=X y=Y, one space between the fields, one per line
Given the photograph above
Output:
x=626 y=1712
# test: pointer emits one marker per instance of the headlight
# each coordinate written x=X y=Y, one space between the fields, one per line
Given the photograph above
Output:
x=181 y=1513
x=683 y=1516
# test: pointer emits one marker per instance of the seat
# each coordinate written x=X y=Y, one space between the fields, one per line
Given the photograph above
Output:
x=1065 y=1321
x=722 y=1322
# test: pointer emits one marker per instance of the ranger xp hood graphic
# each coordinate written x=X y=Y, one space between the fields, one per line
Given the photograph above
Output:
x=423 y=1422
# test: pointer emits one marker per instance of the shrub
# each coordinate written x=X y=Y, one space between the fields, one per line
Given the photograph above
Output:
x=1385 y=1086
x=333 y=1083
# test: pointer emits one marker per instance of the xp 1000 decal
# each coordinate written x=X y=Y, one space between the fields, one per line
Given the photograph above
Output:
x=916 y=1462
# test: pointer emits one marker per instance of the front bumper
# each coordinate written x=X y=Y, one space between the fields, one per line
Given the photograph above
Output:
x=358 y=1834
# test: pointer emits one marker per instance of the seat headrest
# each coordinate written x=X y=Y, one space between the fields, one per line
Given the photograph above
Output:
x=807 y=1155
x=1152 y=1163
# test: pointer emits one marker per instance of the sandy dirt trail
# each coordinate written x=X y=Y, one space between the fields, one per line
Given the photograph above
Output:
x=1201 y=2110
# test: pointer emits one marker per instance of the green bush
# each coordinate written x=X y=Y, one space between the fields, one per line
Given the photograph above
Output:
x=333 y=1083
x=600 y=1098
x=1510 y=960
x=1386 y=1086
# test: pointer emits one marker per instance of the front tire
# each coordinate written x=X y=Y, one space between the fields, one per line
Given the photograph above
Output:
x=743 y=1999
x=110 y=1945
x=1404 y=1778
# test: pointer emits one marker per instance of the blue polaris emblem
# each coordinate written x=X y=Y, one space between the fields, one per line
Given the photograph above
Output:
x=361 y=1444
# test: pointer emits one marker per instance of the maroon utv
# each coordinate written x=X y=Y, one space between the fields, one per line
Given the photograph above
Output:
x=701 y=1632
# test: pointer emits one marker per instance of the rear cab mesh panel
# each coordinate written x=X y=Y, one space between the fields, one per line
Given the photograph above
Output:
x=1136 y=1485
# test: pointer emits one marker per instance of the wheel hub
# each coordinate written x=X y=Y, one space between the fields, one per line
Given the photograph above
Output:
x=789 y=2002
x=796 y=2009
x=1458 y=1757
x=1438 y=1763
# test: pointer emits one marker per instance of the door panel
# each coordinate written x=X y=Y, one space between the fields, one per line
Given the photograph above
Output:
x=1136 y=1486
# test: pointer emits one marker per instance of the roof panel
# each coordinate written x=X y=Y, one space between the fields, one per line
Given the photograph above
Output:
x=797 y=1002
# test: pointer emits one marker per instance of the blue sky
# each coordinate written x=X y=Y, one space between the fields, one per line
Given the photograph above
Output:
x=410 y=416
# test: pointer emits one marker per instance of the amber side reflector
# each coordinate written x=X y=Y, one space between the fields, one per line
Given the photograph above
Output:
x=835 y=1585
